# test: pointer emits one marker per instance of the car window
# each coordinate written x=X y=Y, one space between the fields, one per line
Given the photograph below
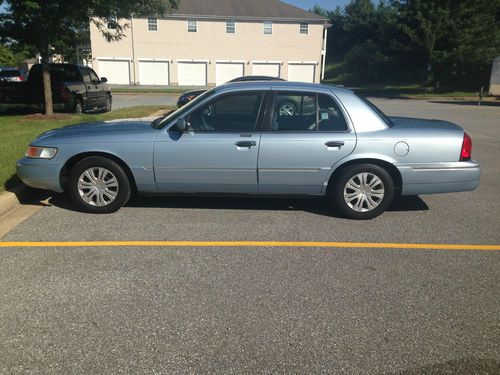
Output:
x=330 y=116
x=85 y=75
x=93 y=76
x=306 y=112
x=175 y=115
x=294 y=112
x=58 y=72
x=229 y=113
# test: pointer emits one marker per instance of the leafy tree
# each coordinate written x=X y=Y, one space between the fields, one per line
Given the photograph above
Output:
x=10 y=57
x=49 y=26
x=451 y=42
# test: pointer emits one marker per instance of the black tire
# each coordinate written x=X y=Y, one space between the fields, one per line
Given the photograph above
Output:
x=78 y=107
x=122 y=191
x=108 y=103
x=363 y=212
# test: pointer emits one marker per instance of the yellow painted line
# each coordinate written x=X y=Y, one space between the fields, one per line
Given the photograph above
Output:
x=358 y=245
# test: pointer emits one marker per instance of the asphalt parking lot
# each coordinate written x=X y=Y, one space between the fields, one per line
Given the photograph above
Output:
x=131 y=100
x=203 y=308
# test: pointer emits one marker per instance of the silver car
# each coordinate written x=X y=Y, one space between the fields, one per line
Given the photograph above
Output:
x=238 y=139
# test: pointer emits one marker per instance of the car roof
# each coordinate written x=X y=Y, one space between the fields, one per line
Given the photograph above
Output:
x=255 y=78
x=278 y=85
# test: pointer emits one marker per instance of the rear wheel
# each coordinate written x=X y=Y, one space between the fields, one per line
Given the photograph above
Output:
x=363 y=191
x=98 y=185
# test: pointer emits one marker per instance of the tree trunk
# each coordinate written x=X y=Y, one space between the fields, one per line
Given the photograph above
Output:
x=47 y=89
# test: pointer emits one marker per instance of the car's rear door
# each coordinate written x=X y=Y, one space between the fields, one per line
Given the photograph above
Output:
x=218 y=153
x=307 y=133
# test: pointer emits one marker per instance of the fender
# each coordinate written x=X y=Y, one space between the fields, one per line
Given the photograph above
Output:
x=353 y=157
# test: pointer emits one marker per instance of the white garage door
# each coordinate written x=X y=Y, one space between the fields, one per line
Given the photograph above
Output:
x=301 y=72
x=153 y=73
x=192 y=73
x=270 y=70
x=116 y=71
x=225 y=72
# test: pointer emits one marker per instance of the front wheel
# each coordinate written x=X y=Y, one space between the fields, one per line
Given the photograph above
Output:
x=98 y=185
x=78 y=107
x=363 y=191
x=107 y=104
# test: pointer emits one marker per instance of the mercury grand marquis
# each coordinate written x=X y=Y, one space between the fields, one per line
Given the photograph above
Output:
x=237 y=139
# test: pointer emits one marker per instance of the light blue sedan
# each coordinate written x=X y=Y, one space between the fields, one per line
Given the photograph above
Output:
x=265 y=138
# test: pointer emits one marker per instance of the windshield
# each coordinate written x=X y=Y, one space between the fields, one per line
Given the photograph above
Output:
x=163 y=121
x=377 y=110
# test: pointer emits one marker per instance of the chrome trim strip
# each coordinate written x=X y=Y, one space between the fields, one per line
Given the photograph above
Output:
x=206 y=169
x=291 y=170
x=459 y=165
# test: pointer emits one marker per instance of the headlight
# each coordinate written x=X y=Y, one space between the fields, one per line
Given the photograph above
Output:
x=41 y=152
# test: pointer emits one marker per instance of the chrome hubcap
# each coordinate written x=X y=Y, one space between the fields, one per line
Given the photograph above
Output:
x=98 y=187
x=364 y=192
x=287 y=110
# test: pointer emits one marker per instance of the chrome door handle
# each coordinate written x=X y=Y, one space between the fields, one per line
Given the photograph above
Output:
x=246 y=143
x=334 y=144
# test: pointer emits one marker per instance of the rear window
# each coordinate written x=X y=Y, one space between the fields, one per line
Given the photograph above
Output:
x=57 y=73
x=377 y=110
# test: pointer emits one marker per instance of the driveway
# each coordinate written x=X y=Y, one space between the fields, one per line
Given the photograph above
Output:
x=364 y=300
x=134 y=100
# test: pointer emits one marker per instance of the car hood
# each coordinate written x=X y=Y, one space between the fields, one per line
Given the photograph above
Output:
x=407 y=123
x=133 y=130
x=194 y=92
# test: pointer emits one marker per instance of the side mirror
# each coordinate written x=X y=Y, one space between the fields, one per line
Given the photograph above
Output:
x=181 y=124
x=104 y=79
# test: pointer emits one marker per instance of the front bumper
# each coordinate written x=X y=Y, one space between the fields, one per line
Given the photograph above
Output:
x=39 y=174
x=433 y=178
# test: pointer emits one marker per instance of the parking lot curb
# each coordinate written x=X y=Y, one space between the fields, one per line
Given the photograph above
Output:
x=9 y=200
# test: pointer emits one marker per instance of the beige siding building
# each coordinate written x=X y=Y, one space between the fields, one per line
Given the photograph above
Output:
x=206 y=43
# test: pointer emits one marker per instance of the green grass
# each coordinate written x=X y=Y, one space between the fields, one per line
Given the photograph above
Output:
x=19 y=130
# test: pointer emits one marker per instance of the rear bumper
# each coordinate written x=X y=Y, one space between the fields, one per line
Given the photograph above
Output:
x=436 y=178
x=37 y=173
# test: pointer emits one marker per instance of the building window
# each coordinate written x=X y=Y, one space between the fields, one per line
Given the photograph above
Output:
x=152 y=24
x=112 y=24
x=230 y=27
x=268 y=27
x=304 y=29
x=192 y=27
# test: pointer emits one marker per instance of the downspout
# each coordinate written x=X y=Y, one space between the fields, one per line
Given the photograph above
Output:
x=323 y=51
x=133 y=49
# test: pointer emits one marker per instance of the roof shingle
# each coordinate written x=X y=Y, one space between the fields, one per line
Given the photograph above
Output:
x=262 y=9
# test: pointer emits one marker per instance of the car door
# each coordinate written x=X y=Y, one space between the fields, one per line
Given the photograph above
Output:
x=217 y=153
x=97 y=93
x=89 y=87
x=306 y=135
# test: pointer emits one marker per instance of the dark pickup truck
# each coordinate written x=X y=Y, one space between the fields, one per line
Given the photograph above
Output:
x=75 y=88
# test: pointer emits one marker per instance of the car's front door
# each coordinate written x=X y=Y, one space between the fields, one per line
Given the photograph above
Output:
x=97 y=93
x=306 y=135
x=217 y=153
x=89 y=87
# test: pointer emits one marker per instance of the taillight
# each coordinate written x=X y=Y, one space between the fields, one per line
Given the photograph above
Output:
x=466 y=152
x=64 y=92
